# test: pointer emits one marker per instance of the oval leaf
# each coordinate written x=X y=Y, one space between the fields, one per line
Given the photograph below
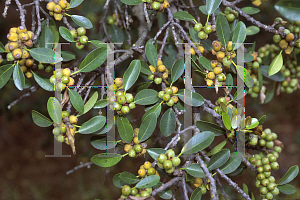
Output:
x=82 y=21
x=75 y=3
x=65 y=33
x=93 y=60
x=45 y=55
x=218 y=159
x=287 y=189
x=128 y=178
x=101 y=104
x=103 y=143
x=289 y=175
x=198 y=142
x=239 y=35
x=190 y=98
x=177 y=70
x=54 y=110
x=275 y=65
x=217 y=148
x=223 y=30
x=76 y=100
x=212 y=5
x=168 y=122
x=145 y=68
x=19 y=78
x=279 y=77
x=151 y=53
x=40 y=119
x=89 y=104
x=208 y=126
x=232 y=163
x=195 y=170
x=93 y=125
x=148 y=182
x=67 y=56
x=98 y=43
x=116 y=34
x=131 y=2
x=106 y=159
x=117 y=181
x=125 y=129
x=146 y=97
x=252 y=30
x=43 y=81
x=250 y=10
x=183 y=16
x=147 y=127
x=154 y=152
x=131 y=74
x=205 y=63
x=154 y=109
x=5 y=73
x=46 y=37
x=197 y=194
x=290 y=9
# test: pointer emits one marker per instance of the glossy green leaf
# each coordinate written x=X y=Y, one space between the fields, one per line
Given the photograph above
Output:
x=54 y=30
x=43 y=81
x=19 y=78
x=131 y=74
x=217 y=148
x=116 y=34
x=239 y=35
x=147 y=127
x=245 y=188
x=154 y=152
x=218 y=159
x=239 y=94
x=254 y=123
x=198 y=142
x=131 y=2
x=286 y=189
x=45 y=55
x=165 y=194
x=117 y=181
x=289 y=175
x=148 y=182
x=212 y=5
x=183 y=16
x=279 y=77
x=204 y=10
x=194 y=34
x=270 y=94
x=54 y=110
x=229 y=81
x=129 y=178
x=177 y=70
x=208 y=126
x=141 y=86
x=232 y=163
x=151 y=53
x=252 y=30
x=222 y=29
x=226 y=121
x=146 y=97
x=205 y=63
x=125 y=129
x=190 y=98
x=103 y=143
x=5 y=73
x=106 y=159
x=75 y=3
x=168 y=122
x=99 y=44
x=65 y=33
x=275 y=65
x=197 y=194
x=89 y=104
x=93 y=60
x=245 y=75
x=46 y=36
x=67 y=56
x=145 y=68
x=2 y=48
x=76 y=100
x=101 y=104
x=156 y=109
x=40 y=119
x=195 y=170
x=82 y=21
x=207 y=44
x=107 y=127
x=92 y=125
x=250 y=10
x=262 y=119
x=290 y=9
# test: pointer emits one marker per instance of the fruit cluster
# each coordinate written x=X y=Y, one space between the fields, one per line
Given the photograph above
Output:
x=127 y=190
x=198 y=182
x=66 y=80
x=255 y=90
x=159 y=72
x=58 y=9
x=80 y=37
x=59 y=132
x=255 y=63
x=169 y=95
x=231 y=14
x=220 y=100
x=159 y=5
x=135 y=149
x=216 y=74
x=264 y=140
x=147 y=170
x=199 y=47
x=204 y=31
x=168 y=161
x=121 y=102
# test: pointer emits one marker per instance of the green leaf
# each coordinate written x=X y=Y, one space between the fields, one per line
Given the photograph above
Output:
x=197 y=194
x=43 y=81
x=289 y=175
x=101 y=104
x=131 y=2
x=190 y=98
x=290 y=9
x=239 y=35
x=245 y=188
x=151 y=53
x=183 y=16
x=89 y=104
x=154 y=152
x=279 y=77
x=40 y=119
x=270 y=94
x=145 y=68
x=226 y=121
x=2 y=48
x=223 y=30
x=239 y=93
x=141 y=86
x=107 y=127
x=195 y=170
x=156 y=109
x=106 y=159
x=125 y=129
x=165 y=194
x=260 y=78
x=53 y=28
x=205 y=63
x=54 y=110
x=232 y=163
x=98 y=43
x=245 y=75
x=168 y=122
x=194 y=34
x=286 y=189
x=262 y=119
x=82 y=21
x=103 y=143
x=75 y=3
x=93 y=60
x=212 y=5
x=131 y=74
x=148 y=182
x=19 y=78
x=218 y=159
x=252 y=30
x=146 y=97
x=217 y=148
x=229 y=81
x=92 y=125
x=5 y=73
x=235 y=121
x=67 y=56
x=208 y=126
x=46 y=37
x=45 y=55
x=207 y=44
x=204 y=10
x=254 y=123
x=129 y=178
x=117 y=181
x=177 y=70
x=198 y=142
x=116 y=34
x=250 y=10
x=147 y=127
x=275 y=65
x=76 y=100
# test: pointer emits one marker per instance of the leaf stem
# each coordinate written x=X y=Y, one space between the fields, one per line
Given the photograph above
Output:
x=207 y=19
x=124 y=155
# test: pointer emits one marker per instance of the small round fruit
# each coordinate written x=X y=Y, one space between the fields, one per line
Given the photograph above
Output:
x=170 y=102
x=136 y=140
x=127 y=147
x=275 y=192
x=167 y=164
x=270 y=144
x=151 y=77
x=136 y=131
x=73 y=33
x=276 y=38
x=65 y=114
x=261 y=142
x=57 y=9
x=81 y=31
x=209 y=82
x=56 y=131
x=118 y=82
x=257 y=183
x=17 y=53
x=230 y=17
x=252 y=160
x=175 y=98
x=265 y=161
x=129 y=98
x=134 y=191
x=121 y=99
x=207 y=29
x=166 y=97
x=79 y=46
x=176 y=161
x=267 y=168
x=169 y=91
x=24 y=69
x=162 y=158
x=142 y=172
x=73 y=119
x=198 y=27
x=267 y=174
x=125 y=109
x=174 y=89
x=50 y=6
x=83 y=39
x=49 y=69
x=169 y=171
x=151 y=171
x=161 y=94
x=132 y=153
x=269 y=195
x=126 y=190
x=138 y=148
x=65 y=79
x=28 y=74
x=261 y=176
x=260 y=169
x=110 y=20
x=222 y=99
x=158 y=80
x=278 y=149
x=274 y=166
x=265 y=182
x=131 y=105
x=218 y=70
x=155 y=5
x=263 y=190
x=170 y=153
x=210 y=75
x=60 y=138
x=161 y=68
x=145 y=194
x=202 y=35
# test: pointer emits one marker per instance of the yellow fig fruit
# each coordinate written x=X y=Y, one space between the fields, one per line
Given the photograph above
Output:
x=30 y=34
x=12 y=37
x=57 y=9
x=22 y=62
x=29 y=62
x=21 y=29
x=28 y=74
x=63 y=4
x=13 y=30
x=13 y=45
x=58 y=17
x=50 y=6
x=17 y=53
x=28 y=43
x=23 y=68
x=25 y=54
x=23 y=37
